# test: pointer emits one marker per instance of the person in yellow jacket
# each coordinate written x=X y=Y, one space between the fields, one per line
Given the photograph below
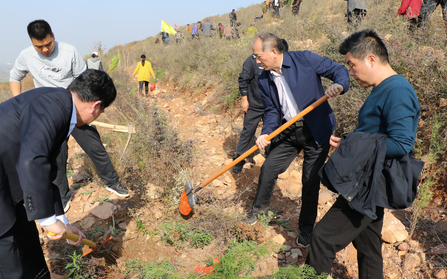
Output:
x=145 y=71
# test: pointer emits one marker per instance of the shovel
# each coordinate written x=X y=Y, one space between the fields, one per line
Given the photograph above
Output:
x=89 y=243
x=188 y=200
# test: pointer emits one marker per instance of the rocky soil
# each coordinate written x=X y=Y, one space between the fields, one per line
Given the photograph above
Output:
x=101 y=214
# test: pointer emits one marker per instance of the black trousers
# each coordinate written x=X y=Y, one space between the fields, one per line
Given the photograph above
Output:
x=21 y=256
x=296 y=10
x=340 y=226
x=283 y=151
x=88 y=138
x=427 y=9
x=247 y=138
x=146 y=88
x=355 y=16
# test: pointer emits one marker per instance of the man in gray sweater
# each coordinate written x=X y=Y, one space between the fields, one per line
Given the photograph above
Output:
x=206 y=28
x=57 y=64
x=94 y=62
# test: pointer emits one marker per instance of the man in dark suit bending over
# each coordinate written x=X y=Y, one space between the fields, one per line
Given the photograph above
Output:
x=33 y=128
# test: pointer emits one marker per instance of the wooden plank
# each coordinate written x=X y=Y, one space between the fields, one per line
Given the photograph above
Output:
x=116 y=128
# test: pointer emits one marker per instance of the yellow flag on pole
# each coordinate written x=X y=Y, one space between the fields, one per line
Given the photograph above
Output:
x=165 y=27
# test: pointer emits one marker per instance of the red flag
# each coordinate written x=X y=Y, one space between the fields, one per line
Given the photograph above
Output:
x=175 y=25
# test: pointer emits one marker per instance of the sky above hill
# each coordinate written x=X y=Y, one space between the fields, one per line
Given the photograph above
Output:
x=83 y=23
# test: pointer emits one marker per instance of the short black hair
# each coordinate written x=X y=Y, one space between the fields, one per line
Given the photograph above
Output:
x=286 y=45
x=39 y=29
x=93 y=55
x=270 y=41
x=363 y=43
x=143 y=56
x=94 y=85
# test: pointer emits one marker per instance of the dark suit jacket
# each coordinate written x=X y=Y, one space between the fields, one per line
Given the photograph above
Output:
x=302 y=71
x=33 y=127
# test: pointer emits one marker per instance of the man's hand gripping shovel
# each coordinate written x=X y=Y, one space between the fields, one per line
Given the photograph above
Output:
x=89 y=243
x=188 y=200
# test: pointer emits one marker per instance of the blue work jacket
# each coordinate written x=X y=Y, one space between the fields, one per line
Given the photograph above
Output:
x=302 y=71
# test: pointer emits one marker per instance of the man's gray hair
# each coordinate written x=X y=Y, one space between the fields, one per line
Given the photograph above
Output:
x=270 y=41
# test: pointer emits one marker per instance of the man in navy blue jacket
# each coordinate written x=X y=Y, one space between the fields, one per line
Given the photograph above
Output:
x=33 y=128
x=290 y=82
x=392 y=109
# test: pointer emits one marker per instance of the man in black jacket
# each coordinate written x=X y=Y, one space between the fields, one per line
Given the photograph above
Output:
x=251 y=105
x=233 y=18
x=392 y=109
x=33 y=127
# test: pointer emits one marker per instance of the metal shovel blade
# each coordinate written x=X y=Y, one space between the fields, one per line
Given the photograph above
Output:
x=190 y=194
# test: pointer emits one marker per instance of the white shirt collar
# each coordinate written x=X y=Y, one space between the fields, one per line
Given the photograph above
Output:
x=73 y=120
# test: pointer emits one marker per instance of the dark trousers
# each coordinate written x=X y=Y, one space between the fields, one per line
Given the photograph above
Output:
x=356 y=16
x=427 y=9
x=340 y=226
x=146 y=88
x=283 y=151
x=296 y=9
x=247 y=138
x=88 y=138
x=21 y=256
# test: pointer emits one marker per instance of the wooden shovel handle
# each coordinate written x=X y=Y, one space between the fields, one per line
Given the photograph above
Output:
x=268 y=138
x=75 y=237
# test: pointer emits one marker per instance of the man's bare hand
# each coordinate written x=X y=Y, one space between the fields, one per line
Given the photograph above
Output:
x=244 y=104
x=75 y=230
x=261 y=142
x=57 y=228
x=333 y=90
x=334 y=141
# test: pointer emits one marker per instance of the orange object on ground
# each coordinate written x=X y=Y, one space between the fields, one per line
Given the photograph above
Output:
x=152 y=87
x=207 y=269
x=184 y=207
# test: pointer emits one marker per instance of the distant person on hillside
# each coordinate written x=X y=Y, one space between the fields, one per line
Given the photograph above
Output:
x=276 y=8
x=251 y=105
x=228 y=32
x=207 y=27
x=144 y=70
x=252 y=30
x=195 y=30
x=165 y=38
x=178 y=37
x=412 y=9
x=264 y=7
x=189 y=28
x=221 y=29
x=366 y=166
x=356 y=12
x=57 y=64
x=290 y=82
x=236 y=33
x=427 y=9
x=233 y=18
x=94 y=62
x=296 y=7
